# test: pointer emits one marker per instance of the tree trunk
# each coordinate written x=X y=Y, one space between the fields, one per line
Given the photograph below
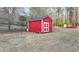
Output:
x=76 y=16
x=9 y=24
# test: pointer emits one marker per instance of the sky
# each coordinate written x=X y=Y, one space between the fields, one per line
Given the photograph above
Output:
x=24 y=11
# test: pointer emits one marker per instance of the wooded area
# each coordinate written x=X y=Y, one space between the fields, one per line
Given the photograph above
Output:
x=60 y=15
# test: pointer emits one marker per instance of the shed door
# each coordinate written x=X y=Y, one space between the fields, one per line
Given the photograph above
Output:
x=46 y=27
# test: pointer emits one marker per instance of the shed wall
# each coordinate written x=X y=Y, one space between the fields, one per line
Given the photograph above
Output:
x=35 y=26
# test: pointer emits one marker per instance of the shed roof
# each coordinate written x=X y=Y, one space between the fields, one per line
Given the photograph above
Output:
x=38 y=17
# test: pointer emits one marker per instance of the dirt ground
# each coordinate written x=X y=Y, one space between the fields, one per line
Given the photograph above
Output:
x=60 y=40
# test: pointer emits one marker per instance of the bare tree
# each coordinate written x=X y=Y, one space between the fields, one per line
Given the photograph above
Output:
x=76 y=15
x=71 y=13
x=11 y=11
x=38 y=11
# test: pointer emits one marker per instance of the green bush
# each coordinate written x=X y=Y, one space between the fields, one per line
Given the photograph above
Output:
x=22 y=20
x=77 y=23
x=67 y=22
x=58 y=22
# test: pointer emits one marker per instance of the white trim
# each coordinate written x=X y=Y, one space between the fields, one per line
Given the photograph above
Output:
x=28 y=26
x=47 y=27
x=42 y=26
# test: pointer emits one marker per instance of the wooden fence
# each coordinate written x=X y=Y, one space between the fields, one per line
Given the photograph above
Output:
x=4 y=23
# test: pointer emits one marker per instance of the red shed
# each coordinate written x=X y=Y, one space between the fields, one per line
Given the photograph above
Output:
x=40 y=25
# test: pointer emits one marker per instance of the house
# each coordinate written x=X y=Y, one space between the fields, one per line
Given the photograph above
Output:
x=40 y=25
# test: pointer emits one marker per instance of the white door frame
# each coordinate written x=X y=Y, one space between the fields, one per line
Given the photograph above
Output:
x=44 y=26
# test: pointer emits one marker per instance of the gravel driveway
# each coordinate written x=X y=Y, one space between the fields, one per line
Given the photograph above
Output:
x=60 y=40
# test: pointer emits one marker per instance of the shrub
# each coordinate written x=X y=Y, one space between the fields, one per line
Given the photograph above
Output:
x=22 y=20
x=67 y=22
x=58 y=22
